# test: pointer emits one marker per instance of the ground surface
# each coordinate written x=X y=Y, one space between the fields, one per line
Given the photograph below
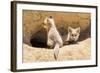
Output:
x=79 y=51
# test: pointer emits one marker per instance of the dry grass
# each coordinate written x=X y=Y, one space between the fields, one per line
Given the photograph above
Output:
x=79 y=51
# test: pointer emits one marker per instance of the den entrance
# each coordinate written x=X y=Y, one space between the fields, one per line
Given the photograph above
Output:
x=39 y=39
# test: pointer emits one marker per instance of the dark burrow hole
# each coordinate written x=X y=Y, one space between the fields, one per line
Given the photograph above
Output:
x=35 y=42
x=39 y=39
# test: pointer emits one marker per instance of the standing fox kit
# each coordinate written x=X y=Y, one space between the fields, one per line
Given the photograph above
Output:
x=53 y=37
x=73 y=34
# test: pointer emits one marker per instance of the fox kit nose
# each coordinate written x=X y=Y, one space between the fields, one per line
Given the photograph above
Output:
x=74 y=37
x=50 y=17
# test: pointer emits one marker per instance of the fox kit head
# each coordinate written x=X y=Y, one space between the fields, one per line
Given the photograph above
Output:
x=48 y=22
x=73 y=33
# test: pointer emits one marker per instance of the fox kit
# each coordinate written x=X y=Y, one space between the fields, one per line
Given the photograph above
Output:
x=73 y=35
x=53 y=37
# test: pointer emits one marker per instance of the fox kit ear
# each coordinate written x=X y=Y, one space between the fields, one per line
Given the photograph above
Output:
x=69 y=29
x=78 y=30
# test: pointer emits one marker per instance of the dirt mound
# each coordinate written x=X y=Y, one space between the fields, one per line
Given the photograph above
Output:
x=78 y=51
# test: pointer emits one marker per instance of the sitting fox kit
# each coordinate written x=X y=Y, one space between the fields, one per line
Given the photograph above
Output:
x=53 y=37
x=73 y=34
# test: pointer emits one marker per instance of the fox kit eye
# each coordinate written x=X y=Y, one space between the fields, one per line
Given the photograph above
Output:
x=75 y=35
x=50 y=16
x=72 y=35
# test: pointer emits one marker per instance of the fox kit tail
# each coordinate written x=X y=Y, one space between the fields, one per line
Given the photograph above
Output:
x=56 y=50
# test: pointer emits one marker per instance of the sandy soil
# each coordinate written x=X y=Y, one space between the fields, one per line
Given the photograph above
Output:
x=79 y=51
